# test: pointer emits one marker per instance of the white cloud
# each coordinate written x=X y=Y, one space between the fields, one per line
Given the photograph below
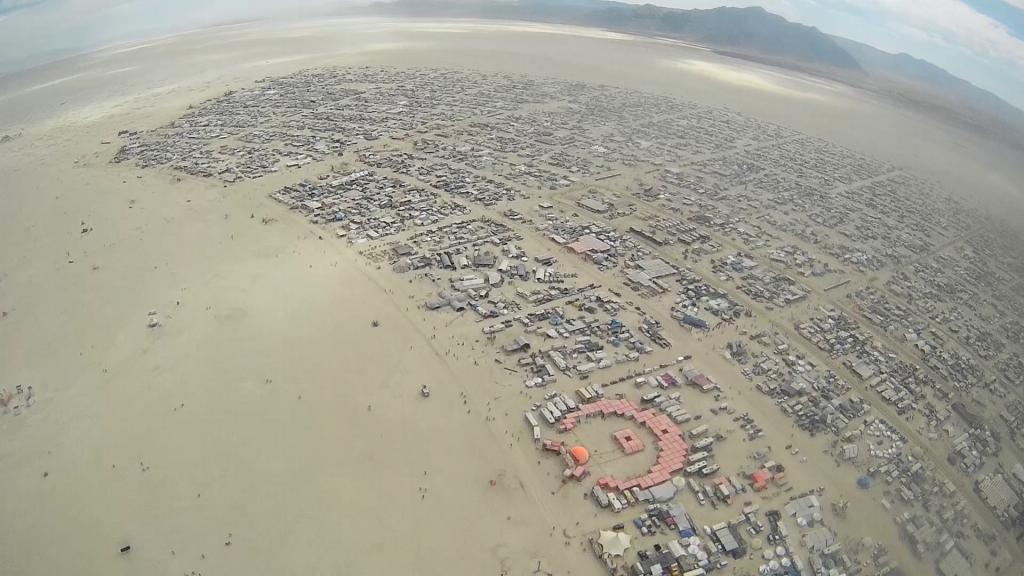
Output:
x=15 y=4
x=8 y=7
x=951 y=21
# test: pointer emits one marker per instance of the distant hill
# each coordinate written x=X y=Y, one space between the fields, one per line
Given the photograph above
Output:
x=902 y=74
x=752 y=30
x=756 y=34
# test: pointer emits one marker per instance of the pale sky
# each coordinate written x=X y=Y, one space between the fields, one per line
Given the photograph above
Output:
x=979 y=40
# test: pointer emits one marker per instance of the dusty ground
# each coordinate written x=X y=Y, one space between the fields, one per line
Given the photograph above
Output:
x=265 y=427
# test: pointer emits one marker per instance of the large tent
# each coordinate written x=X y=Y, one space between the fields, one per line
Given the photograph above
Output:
x=614 y=543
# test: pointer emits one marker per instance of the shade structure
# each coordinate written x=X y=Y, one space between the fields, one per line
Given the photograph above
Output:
x=579 y=454
x=614 y=543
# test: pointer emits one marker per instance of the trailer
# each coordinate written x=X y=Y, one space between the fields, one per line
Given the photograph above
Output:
x=694 y=468
x=667 y=404
x=560 y=405
x=547 y=416
x=697 y=457
x=704 y=443
x=681 y=417
x=531 y=419
x=555 y=413
x=710 y=470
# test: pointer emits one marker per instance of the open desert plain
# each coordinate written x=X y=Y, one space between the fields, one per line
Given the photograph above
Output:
x=345 y=296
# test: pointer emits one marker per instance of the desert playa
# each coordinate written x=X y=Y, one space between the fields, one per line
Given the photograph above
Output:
x=227 y=366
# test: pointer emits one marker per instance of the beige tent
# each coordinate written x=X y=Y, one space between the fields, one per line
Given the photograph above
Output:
x=614 y=543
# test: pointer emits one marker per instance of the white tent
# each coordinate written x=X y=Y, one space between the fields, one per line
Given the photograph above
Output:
x=614 y=543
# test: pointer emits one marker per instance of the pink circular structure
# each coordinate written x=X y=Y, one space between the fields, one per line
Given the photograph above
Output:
x=672 y=449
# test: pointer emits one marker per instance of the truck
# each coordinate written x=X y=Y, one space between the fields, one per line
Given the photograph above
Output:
x=723 y=492
x=738 y=486
x=614 y=501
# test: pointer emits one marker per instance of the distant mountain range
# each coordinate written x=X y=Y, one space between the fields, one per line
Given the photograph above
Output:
x=907 y=74
x=756 y=34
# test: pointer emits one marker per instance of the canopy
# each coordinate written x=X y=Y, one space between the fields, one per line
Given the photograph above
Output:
x=614 y=543
x=579 y=454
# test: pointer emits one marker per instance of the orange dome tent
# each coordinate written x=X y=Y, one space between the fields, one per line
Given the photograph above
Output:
x=579 y=454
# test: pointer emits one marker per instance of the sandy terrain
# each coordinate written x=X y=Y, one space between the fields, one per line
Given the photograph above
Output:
x=266 y=427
